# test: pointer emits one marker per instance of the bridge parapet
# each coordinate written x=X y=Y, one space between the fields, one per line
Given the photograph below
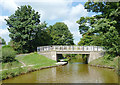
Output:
x=69 y=48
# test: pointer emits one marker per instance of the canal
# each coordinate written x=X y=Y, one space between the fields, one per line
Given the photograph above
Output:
x=74 y=72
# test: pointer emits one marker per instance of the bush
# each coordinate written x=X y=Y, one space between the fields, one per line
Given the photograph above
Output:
x=8 y=54
x=108 y=56
x=0 y=54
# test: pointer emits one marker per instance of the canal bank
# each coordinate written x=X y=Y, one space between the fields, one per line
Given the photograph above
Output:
x=74 y=72
x=26 y=64
x=110 y=64
x=102 y=62
x=32 y=70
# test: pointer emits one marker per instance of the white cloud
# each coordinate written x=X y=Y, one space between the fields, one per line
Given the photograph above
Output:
x=93 y=15
x=4 y=33
x=73 y=26
x=78 y=11
x=9 y=5
x=53 y=10
x=2 y=19
x=50 y=9
x=74 y=15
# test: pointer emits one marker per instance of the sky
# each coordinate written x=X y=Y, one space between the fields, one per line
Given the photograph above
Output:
x=51 y=11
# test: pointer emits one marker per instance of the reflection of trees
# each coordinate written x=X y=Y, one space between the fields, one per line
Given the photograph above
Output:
x=119 y=79
x=103 y=75
x=83 y=69
x=76 y=66
x=108 y=75
x=77 y=59
x=46 y=75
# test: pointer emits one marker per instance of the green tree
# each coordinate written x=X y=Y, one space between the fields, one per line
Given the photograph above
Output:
x=85 y=40
x=90 y=39
x=105 y=25
x=60 y=34
x=2 y=41
x=26 y=31
x=8 y=54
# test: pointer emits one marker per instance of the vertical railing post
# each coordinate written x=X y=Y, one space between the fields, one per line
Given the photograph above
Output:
x=66 y=47
x=47 y=48
x=72 y=47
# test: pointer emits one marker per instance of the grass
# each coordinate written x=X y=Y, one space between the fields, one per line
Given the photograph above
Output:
x=110 y=63
x=13 y=72
x=11 y=65
x=35 y=60
x=114 y=63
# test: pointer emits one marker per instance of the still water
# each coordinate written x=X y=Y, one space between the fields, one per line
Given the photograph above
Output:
x=74 y=72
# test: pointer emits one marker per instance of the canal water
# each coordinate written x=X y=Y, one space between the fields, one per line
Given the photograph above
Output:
x=74 y=72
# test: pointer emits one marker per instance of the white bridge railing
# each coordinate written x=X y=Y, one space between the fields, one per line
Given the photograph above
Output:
x=69 y=48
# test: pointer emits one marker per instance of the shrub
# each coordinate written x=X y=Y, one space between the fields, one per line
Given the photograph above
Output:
x=0 y=54
x=108 y=56
x=8 y=54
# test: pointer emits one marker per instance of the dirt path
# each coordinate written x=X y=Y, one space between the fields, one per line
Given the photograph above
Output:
x=22 y=63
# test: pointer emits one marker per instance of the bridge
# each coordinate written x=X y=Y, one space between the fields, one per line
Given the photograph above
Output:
x=53 y=52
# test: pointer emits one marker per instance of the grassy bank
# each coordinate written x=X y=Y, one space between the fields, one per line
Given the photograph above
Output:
x=36 y=59
x=25 y=64
x=101 y=62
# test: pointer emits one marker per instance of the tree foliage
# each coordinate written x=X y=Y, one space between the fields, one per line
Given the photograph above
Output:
x=105 y=25
x=2 y=41
x=8 y=54
x=26 y=31
x=60 y=34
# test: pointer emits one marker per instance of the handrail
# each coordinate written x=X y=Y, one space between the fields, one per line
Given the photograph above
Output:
x=69 y=48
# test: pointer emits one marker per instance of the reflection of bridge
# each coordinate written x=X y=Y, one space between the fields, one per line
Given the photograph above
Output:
x=51 y=52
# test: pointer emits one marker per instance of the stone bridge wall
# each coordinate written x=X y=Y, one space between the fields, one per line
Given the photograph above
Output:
x=53 y=55
x=51 y=51
x=50 y=54
x=95 y=55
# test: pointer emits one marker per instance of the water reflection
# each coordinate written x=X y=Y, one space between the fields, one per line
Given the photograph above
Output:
x=74 y=72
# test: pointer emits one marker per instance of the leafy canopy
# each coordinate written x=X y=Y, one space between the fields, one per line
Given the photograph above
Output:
x=106 y=26
x=25 y=29
x=60 y=34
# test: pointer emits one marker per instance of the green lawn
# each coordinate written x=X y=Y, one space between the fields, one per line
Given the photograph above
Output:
x=32 y=61
x=35 y=59
x=11 y=65
x=109 y=63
